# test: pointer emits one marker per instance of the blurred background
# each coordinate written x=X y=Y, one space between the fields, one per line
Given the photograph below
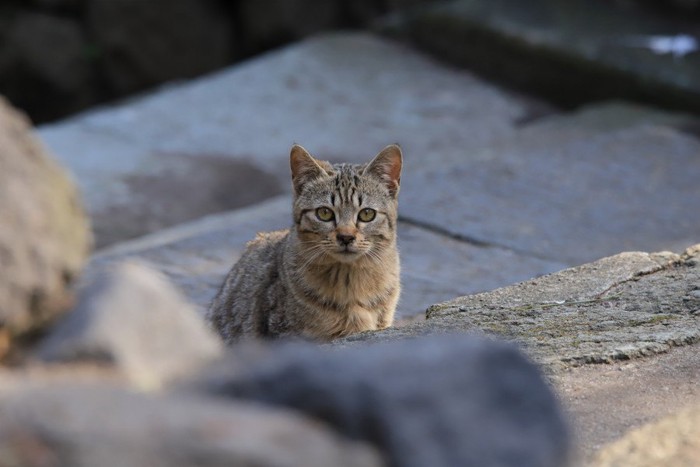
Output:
x=61 y=56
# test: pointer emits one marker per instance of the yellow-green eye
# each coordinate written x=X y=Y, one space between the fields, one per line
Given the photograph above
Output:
x=367 y=215
x=324 y=214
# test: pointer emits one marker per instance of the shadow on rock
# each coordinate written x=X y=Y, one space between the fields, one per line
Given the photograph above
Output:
x=183 y=188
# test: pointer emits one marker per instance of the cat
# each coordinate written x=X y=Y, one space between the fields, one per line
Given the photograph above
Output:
x=335 y=271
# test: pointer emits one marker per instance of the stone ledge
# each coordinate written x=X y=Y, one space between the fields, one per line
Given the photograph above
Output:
x=621 y=307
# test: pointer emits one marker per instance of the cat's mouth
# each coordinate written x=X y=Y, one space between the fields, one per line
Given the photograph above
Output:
x=347 y=252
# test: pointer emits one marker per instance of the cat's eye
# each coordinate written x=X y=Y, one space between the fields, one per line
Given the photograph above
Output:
x=367 y=215
x=324 y=214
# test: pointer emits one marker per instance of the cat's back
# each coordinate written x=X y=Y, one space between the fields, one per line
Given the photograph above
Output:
x=261 y=255
x=247 y=284
x=264 y=247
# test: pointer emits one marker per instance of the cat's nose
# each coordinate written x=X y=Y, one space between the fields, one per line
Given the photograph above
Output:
x=345 y=239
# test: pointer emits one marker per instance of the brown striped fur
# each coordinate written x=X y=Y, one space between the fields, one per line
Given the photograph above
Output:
x=320 y=279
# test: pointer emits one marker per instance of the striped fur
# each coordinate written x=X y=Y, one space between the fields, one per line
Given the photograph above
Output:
x=321 y=279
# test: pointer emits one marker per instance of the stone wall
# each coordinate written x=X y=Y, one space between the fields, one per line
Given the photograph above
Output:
x=60 y=56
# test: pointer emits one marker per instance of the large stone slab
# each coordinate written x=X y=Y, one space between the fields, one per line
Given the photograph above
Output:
x=436 y=267
x=196 y=257
x=572 y=52
x=618 y=308
x=343 y=96
x=569 y=189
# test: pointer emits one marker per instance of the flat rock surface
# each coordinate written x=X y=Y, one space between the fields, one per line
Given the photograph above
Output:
x=344 y=97
x=563 y=189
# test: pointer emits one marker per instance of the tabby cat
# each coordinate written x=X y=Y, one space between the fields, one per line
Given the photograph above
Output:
x=335 y=272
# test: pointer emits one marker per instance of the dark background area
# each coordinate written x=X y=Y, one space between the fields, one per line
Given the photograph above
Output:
x=61 y=56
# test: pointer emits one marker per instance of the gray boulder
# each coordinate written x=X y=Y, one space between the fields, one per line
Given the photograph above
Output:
x=130 y=316
x=435 y=402
x=87 y=425
x=154 y=198
x=44 y=233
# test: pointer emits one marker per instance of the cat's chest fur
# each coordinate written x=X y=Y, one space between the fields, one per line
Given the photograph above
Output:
x=345 y=298
x=351 y=286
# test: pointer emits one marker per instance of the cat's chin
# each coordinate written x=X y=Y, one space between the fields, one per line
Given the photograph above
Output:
x=347 y=256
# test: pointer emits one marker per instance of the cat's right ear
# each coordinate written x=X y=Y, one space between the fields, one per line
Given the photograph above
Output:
x=387 y=167
x=304 y=168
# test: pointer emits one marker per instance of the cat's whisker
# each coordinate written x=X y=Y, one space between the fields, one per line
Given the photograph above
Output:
x=374 y=256
x=314 y=253
x=311 y=261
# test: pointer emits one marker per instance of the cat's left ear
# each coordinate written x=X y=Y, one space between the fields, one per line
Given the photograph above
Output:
x=387 y=167
x=304 y=167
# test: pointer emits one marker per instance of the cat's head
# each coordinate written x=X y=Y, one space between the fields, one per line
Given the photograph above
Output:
x=346 y=211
